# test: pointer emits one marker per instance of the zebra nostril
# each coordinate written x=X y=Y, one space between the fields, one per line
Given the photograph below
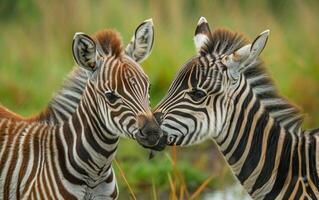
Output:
x=140 y=138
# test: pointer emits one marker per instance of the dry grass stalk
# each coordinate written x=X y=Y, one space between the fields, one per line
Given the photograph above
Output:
x=154 y=189
x=125 y=180
x=201 y=188
x=173 y=188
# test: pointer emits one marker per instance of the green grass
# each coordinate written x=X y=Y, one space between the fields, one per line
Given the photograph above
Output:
x=35 y=56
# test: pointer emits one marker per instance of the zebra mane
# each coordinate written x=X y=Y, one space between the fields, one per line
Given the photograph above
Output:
x=66 y=100
x=62 y=105
x=288 y=115
x=109 y=40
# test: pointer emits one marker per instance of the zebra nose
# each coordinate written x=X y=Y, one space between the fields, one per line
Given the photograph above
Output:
x=149 y=131
x=151 y=136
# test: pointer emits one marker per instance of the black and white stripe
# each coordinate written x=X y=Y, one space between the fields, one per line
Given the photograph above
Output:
x=70 y=157
x=225 y=94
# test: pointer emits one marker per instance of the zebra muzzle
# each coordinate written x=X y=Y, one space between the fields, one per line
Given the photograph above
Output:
x=150 y=134
x=148 y=139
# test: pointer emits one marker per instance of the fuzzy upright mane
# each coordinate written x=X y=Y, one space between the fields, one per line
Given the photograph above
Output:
x=289 y=116
x=109 y=40
x=225 y=42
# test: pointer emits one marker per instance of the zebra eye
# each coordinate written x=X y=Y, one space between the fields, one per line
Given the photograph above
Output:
x=111 y=97
x=196 y=94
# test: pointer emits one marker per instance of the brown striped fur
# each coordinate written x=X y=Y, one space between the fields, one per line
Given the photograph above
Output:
x=37 y=160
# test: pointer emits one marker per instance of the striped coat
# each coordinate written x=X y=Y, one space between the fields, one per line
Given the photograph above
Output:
x=72 y=159
x=223 y=93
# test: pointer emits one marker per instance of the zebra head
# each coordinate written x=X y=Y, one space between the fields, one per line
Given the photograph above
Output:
x=120 y=88
x=202 y=95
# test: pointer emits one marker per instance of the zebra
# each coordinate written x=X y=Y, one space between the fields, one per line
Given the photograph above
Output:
x=65 y=101
x=72 y=159
x=223 y=93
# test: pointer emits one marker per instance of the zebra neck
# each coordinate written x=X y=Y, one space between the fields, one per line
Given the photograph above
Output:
x=258 y=149
x=88 y=143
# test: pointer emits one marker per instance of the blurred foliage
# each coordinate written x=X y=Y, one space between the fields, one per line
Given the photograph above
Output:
x=35 y=56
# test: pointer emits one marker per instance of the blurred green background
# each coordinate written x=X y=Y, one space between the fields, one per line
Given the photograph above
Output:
x=35 y=57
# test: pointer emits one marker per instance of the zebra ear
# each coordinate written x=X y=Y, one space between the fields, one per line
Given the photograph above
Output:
x=202 y=36
x=258 y=45
x=84 y=51
x=234 y=59
x=248 y=53
x=141 y=43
